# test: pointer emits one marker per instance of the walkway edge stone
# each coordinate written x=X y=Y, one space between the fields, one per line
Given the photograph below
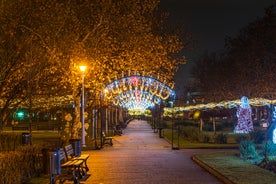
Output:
x=212 y=171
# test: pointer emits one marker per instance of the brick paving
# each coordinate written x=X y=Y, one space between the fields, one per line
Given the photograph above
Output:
x=139 y=156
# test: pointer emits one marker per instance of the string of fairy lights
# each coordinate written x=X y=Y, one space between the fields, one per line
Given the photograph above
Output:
x=42 y=101
x=224 y=104
x=137 y=90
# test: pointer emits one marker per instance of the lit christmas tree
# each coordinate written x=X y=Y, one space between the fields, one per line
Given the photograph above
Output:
x=244 y=114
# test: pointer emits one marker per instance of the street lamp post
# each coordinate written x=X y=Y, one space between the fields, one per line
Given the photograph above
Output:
x=101 y=119
x=102 y=92
x=82 y=68
x=173 y=146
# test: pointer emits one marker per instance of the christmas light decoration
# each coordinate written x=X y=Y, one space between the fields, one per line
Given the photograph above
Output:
x=244 y=114
x=138 y=91
x=224 y=104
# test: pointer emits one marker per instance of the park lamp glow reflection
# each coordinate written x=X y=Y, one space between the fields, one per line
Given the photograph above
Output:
x=82 y=68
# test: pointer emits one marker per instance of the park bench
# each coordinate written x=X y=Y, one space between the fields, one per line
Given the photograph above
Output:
x=107 y=140
x=71 y=155
x=71 y=168
x=118 y=130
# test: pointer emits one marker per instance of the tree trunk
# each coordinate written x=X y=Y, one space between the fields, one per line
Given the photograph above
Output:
x=201 y=124
x=214 y=124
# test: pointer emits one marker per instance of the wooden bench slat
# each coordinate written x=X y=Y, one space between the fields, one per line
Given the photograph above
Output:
x=83 y=157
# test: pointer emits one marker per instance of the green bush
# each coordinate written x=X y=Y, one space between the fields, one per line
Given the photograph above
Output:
x=194 y=135
x=10 y=171
x=269 y=149
x=30 y=156
x=241 y=137
x=258 y=136
x=221 y=138
x=205 y=138
x=248 y=150
x=20 y=165
x=207 y=127
x=191 y=133
x=9 y=141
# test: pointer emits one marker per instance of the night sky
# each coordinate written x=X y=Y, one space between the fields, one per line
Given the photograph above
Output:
x=210 y=21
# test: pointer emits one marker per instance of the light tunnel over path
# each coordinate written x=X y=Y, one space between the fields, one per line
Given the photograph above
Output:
x=139 y=90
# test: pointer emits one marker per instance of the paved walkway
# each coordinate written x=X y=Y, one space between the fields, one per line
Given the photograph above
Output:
x=139 y=156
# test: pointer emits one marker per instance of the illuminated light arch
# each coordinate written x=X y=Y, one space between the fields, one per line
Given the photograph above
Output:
x=136 y=100
x=138 y=91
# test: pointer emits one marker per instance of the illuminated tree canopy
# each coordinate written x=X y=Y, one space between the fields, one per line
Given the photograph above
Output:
x=43 y=43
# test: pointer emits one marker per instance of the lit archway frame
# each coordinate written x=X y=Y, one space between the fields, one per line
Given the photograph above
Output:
x=138 y=91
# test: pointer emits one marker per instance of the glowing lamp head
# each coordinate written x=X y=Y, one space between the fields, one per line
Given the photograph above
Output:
x=196 y=114
x=105 y=90
x=83 y=68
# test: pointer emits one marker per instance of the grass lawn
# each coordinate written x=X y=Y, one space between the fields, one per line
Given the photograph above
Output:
x=183 y=143
x=237 y=170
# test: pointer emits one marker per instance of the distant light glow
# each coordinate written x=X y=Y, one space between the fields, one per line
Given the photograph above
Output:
x=196 y=114
x=20 y=115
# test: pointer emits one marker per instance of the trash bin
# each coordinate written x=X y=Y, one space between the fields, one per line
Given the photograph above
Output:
x=76 y=144
x=55 y=162
x=25 y=139
x=54 y=165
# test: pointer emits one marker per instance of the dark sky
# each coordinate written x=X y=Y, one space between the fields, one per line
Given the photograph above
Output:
x=210 y=21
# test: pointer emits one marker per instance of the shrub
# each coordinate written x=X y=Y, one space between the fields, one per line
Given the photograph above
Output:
x=192 y=133
x=9 y=141
x=269 y=150
x=18 y=166
x=241 y=137
x=205 y=138
x=30 y=156
x=10 y=168
x=248 y=150
x=271 y=166
x=221 y=138
x=208 y=127
x=258 y=136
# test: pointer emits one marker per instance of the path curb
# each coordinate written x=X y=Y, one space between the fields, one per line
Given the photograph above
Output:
x=212 y=171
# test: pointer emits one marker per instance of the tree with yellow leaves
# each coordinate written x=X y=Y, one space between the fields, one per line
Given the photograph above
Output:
x=108 y=36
